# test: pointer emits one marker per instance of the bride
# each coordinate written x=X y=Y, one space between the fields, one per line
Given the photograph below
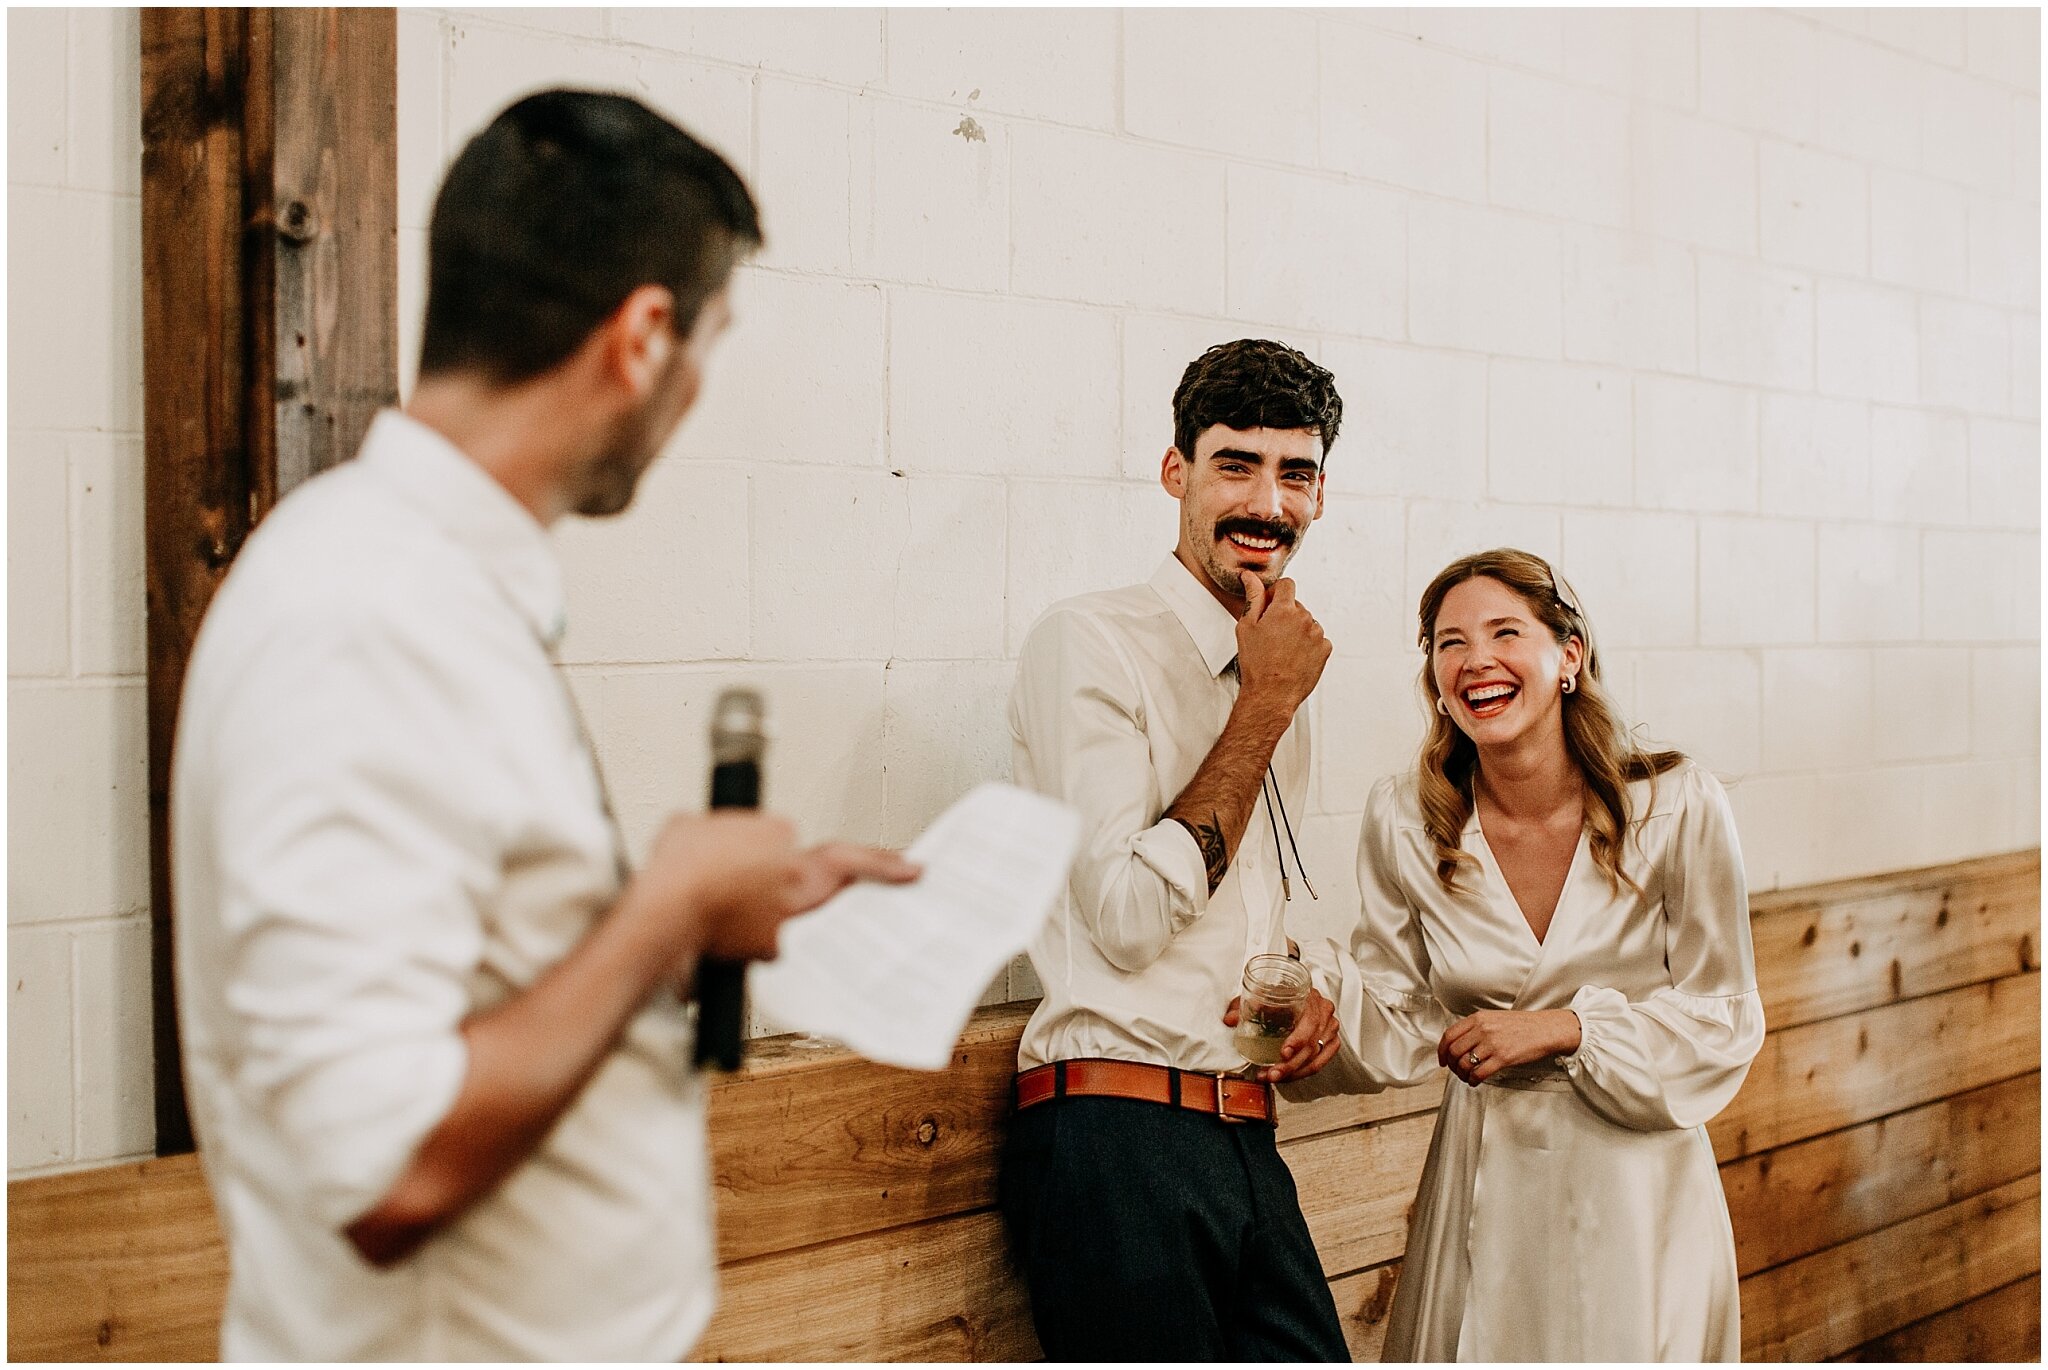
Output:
x=1560 y=918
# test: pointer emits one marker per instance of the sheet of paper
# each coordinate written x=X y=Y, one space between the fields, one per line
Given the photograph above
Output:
x=893 y=971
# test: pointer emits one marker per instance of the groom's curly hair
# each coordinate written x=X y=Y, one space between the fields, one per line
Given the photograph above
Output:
x=1255 y=383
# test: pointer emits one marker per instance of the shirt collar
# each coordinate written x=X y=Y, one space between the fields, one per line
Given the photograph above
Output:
x=1213 y=627
x=446 y=484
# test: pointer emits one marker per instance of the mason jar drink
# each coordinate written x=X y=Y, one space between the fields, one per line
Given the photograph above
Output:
x=1275 y=993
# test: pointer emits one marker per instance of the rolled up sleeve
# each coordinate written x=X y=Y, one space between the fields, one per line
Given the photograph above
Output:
x=354 y=860
x=1078 y=716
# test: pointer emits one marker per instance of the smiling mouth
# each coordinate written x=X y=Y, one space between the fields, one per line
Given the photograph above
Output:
x=1484 y=701
x=1255 y=540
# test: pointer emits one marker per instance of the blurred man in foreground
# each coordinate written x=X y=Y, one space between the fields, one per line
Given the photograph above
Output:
x=438 y=1064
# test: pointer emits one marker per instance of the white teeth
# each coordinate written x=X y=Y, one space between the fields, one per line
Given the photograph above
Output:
x=1262 y=544
x=1486 y=694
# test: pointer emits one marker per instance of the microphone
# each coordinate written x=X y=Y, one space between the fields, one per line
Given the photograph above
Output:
x=738 y=739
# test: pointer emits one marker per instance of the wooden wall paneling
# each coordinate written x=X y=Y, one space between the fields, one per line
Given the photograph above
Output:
x=1842 y=1071
x=1357 y=1189
x=269 y=320
x=1848 y=1295
x=1338 y=1112
x=2004 y=1325
x=1364 y=1298
x=804 y=1150
x=124 y=1263
x=1838 y=949
x=1797 y=1199
x=937 y=1291
x=809 y=1145
x=1853 y=1224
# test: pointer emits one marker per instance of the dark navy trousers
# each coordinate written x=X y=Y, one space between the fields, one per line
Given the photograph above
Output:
x=1150 y=1233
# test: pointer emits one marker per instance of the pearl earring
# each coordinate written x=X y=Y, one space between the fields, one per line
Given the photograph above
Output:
x=1443 y=706
x=1568 y=684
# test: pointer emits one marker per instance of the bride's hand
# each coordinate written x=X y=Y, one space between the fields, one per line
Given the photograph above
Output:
x=1481 y=1045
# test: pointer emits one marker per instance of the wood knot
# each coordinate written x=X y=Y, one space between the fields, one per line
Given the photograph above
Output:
x=927 y=1132
x=1811 y=934
x=104 y=1333
x=1380 y=1301
x=295 y=221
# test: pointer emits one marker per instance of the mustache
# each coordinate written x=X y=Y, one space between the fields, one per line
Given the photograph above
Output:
x=1256 y=528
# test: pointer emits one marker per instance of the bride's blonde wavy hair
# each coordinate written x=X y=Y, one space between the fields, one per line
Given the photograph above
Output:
x=1607 y=757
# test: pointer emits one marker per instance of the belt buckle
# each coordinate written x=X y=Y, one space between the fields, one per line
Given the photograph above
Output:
x=1219 y=1076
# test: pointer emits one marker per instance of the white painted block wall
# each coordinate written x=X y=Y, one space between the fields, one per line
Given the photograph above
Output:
x=1735 y=313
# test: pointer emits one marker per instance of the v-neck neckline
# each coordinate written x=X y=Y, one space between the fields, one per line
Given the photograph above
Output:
x=1522 y=915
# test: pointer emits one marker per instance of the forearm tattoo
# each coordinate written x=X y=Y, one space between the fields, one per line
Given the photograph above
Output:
x=1209 y=837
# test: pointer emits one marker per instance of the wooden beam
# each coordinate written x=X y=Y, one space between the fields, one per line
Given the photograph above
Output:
x=269 y=322
x=812 y=1143
x=943 y=1290
x=1848 y=1295
x=2004 y=1325
x=804 y=1152
x=1842 y=1071
x=1358 y=1187
x=1824 y=952
x=1798 y=1199
x=124 y=1263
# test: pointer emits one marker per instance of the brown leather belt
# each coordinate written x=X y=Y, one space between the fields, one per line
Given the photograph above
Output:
x=1220 y=1096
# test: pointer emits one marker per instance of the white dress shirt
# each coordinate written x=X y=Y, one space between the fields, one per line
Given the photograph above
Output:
x=385 y=818
x=1119 y=697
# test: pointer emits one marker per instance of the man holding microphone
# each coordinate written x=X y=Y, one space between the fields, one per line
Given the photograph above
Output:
x=438 y=1063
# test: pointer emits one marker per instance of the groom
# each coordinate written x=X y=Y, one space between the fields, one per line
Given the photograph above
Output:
x=1142 y=1181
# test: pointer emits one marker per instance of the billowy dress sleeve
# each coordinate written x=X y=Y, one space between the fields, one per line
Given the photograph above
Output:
x=1079 y=718
x=1387 y=1012
x=1675 y=1058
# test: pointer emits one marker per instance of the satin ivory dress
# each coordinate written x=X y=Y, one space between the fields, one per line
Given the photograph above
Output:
x=1570 y=1209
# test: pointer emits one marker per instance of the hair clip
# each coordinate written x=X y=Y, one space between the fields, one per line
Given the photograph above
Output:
x=1561 y=591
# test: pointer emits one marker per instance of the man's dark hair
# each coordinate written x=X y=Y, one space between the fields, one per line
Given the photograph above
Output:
x=566 y=204
x=1254 y=383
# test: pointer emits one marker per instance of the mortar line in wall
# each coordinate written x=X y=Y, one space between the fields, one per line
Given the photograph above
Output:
x=754 y=128
x=90 y=922
x=66 y=188
x=2013 y=314
x=1119 y=86
x=100 y=681
x=747 y=636
x=74 y=1028
x=73 y=610
x=55 y=1169
x=1120 y=133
